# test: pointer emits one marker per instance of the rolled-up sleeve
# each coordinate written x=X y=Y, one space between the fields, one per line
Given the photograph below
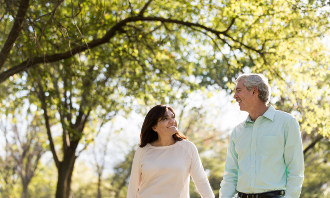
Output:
x=294 y=159
x=135 y=178
x=229 y=182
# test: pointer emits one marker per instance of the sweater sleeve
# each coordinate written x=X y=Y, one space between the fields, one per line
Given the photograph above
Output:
x=198 y=175
x=135 y=178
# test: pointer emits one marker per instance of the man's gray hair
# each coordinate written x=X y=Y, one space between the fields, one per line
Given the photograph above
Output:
x=259 y=81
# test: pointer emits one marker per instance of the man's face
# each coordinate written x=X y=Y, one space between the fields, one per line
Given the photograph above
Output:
x=243 y=96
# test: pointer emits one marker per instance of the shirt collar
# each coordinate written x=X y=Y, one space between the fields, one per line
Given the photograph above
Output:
x=270 y=113
x=248 y=120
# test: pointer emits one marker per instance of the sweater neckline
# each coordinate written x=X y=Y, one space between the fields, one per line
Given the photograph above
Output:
x=163 y=147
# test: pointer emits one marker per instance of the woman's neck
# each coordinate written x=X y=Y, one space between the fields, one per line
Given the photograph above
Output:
x=163 y=141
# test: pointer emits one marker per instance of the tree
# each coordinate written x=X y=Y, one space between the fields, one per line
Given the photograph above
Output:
x=316 y=146
x=100 y=161
x=316 y=181
x=43 y=184
x=24 y=149
x=8 y=173
x=85 y=61
x=122 y=171
x=256 y=28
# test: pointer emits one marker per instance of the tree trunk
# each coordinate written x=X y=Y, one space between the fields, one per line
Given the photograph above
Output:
x=99 y=186
x=65 y=170
x=68 y=189
x=25 y=190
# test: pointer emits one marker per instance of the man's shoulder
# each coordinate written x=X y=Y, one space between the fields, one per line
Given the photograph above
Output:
x=239 y=127
x=285 y=116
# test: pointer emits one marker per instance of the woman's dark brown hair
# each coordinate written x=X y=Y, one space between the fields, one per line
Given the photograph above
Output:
x=148 y=135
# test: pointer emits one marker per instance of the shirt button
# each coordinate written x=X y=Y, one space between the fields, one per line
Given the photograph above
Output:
x=254 y=140
x=252 y=153
x=252 y=166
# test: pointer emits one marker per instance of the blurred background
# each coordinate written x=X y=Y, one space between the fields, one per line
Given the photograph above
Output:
x=78 y=77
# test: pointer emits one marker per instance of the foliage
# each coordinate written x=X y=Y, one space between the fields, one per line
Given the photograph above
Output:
x=24 y=141
x=8 y=177
x=82 y=62
x=317 y=169
x=43 y=184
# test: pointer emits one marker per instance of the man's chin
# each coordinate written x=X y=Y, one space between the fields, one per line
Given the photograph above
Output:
x=242 y=109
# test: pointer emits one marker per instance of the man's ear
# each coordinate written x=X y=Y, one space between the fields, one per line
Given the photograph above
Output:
x=255 y=90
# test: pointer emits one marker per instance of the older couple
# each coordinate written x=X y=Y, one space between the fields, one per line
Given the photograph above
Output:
x=264 y=158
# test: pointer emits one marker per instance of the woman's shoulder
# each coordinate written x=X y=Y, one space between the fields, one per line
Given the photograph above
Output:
x=141 y=150
x=189 y=147
x=187 y=144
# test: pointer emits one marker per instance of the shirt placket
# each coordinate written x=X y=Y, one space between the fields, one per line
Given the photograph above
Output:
x=253 y=155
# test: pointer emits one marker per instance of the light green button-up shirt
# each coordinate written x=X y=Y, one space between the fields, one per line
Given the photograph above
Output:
x=265 y=155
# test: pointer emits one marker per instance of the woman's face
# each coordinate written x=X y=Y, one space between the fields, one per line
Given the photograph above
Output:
x=166 y=125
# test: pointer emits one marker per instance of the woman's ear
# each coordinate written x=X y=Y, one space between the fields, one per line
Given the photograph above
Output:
x=154 y=128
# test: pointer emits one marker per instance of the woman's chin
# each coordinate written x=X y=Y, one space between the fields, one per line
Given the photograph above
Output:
x=174 y=132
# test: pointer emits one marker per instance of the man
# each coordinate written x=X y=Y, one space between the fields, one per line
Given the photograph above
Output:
x=265 y=155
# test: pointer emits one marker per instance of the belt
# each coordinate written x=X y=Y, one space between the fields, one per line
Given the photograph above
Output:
x=262 y=195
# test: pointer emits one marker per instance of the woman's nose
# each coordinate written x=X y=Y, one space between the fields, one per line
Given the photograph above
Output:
x=172 y=120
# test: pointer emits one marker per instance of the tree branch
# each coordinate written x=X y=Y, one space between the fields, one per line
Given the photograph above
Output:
x=105 y=39
x=42 y=98
x=87 y=86
x=86 y=145
x=144 y=8
x=15 y=31
x=312 y=145
x=50 y=18
x=231 y=24
x=66 y=114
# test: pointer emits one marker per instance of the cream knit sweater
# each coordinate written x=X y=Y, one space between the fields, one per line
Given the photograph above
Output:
x=163 y=172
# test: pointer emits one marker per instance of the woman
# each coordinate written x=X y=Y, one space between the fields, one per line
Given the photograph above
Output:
x=165 y=160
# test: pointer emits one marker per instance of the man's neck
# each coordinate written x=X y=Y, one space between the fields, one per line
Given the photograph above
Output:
x=258 y=111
